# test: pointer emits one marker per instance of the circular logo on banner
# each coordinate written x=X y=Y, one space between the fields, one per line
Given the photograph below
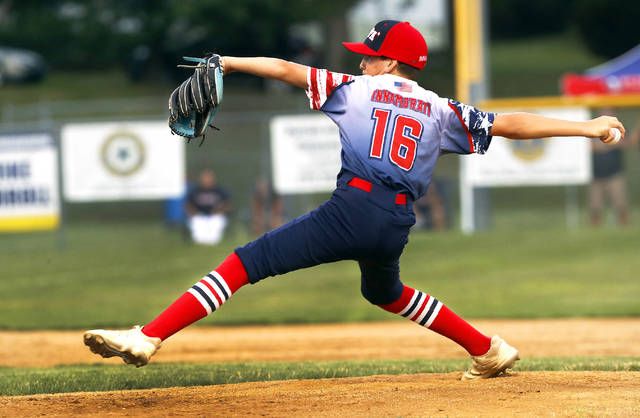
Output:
x=122 y=153
x=528 y=150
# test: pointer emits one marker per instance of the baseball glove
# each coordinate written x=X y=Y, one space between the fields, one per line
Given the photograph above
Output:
x=193 y=105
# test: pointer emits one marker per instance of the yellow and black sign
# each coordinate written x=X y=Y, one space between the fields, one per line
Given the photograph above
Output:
x=29 y=196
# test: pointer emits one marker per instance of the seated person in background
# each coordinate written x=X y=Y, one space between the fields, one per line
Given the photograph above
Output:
x=430 y=209
x=267 y=208
x=609 y=182
x=207 y=205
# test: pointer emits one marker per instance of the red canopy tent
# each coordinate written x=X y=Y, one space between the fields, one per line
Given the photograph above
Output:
x=621 y=75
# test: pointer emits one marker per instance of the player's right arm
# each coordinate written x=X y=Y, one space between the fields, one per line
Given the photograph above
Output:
x=522 y=125
x=274 y=68
x=319 y=83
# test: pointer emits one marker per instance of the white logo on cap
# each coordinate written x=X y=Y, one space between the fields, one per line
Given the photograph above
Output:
x=372 y=35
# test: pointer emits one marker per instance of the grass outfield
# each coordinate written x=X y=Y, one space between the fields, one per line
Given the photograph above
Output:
x=28 y=381
x=120 y=274
x=521 y=67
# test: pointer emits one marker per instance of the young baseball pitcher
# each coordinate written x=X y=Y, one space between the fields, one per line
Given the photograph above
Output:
x=392 y=132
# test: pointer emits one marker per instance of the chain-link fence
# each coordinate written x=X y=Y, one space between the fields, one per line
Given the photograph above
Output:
x=240 y=155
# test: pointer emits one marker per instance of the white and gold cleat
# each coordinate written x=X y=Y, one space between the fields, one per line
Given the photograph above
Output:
x=131 y=345
x=500 y=357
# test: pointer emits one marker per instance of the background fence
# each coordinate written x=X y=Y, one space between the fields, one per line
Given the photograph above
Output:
x=240 y=155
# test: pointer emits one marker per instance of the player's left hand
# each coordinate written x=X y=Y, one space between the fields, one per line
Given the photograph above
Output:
x=195 y=102
x=604 y=128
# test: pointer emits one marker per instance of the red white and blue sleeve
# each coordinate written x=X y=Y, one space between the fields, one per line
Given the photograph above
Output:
x=321 y=84
x=464 y=129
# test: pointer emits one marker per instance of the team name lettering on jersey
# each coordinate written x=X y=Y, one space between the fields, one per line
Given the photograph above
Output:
x=398 y=100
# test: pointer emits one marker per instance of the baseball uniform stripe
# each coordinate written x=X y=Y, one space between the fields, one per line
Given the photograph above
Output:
x=429 y=311
x=417 y=295
x=225 y=286
x=402 y=303
x=329 y=84
x=212 y=288
x=217 y=287
x=309 y=87
x=434 y=315
x=425 y=311
x=423 y=304
x=313 y=89
x=414 y=295
x=201 y=300
x=464 y=125
x=308 y=91
x=322 y=87
x=209 y=294
x=418 y=304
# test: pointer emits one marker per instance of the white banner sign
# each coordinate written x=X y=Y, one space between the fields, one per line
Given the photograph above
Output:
x=305 y=154
x=122 y=161
x=29 y=194
x=547 y=161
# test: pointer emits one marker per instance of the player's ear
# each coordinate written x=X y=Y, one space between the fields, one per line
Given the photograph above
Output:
x=390 y=65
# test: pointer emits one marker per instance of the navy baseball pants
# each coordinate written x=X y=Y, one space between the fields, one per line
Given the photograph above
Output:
x=361 y=221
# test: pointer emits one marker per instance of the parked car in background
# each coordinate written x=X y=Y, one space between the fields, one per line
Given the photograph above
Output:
x=21 y=66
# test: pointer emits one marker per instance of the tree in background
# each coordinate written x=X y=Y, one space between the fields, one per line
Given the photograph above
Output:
x=525 y=18
x=609 y=28
x=103 y=34
x=99 y=34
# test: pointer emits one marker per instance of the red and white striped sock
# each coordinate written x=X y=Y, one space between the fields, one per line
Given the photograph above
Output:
x=203 y=298
x=429 y=312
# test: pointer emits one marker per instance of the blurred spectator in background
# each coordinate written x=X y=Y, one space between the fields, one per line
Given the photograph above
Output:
x=207 y=206
x=267 y=208
x=139 y=62
x=430 y=209
x=608 y=184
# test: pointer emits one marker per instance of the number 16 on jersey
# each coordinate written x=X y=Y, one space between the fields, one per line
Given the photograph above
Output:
x=405 y=135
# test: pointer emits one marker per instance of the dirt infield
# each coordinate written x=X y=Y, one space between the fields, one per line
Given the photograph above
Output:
x=534 y=338
x=581 y=394
x=524 y=393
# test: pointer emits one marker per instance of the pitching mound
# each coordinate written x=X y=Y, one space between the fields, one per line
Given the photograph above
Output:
x=531 y=394
x=524 y=393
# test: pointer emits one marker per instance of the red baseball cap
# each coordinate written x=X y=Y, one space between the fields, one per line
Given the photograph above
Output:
x=393 y=39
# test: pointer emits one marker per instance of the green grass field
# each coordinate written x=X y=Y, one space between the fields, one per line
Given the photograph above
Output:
x=27 y=381
x=118 y=274
x=534 y=67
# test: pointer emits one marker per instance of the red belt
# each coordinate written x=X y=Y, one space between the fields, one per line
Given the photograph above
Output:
x=362 y=184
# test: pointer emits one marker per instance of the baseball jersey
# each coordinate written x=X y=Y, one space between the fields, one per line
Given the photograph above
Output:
x=392 y=131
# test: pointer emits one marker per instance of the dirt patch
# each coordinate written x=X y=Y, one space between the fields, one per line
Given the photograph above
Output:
x=524 y=393
x=386 y=340
x=531 y=394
